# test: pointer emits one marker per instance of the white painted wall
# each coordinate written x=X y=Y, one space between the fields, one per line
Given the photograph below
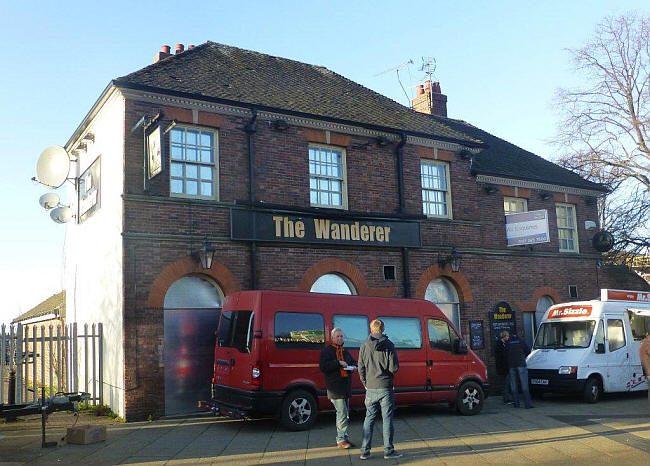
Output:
x=93 y=251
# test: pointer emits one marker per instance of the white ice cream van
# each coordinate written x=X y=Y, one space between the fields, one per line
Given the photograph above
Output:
x=591 y=347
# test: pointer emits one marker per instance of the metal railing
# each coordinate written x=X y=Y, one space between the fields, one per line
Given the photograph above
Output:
x=58 y=358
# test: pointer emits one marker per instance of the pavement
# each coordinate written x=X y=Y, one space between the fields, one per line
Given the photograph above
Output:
x=558 y=431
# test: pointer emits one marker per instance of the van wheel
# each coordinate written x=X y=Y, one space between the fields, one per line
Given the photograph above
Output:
x=593 y=390
x=299 y=410
x=470 y=399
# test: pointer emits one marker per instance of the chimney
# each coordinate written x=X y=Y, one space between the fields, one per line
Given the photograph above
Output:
x=179 y=48
x=164 y=53
x=430 y=99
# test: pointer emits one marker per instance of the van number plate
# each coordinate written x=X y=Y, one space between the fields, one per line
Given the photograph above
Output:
x=539 y=381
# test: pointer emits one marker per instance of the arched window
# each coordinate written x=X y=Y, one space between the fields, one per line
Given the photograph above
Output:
x=543 y=303
x=193 y=292
x=333 y=283
x=532 y=320
x=191 y=314
x=442 y=293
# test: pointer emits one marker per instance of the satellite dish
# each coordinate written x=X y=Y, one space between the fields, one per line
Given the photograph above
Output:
x=61 y=214
x=49 y=200
x=53 y=166
x=603 y=241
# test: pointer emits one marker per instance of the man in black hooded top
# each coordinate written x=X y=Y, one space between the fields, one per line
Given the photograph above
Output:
x=377 y=367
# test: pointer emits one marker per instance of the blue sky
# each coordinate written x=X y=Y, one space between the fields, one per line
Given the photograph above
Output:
x=498 y=62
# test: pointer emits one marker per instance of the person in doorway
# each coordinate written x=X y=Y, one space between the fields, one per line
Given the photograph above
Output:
x=516 y=352
x=644 y=353
x=337 y=364
x=501 y=362
x=378 y=364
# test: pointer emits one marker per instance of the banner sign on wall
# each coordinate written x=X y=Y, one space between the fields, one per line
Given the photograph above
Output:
x=527 y=228
x=89 y=190
x=249 y=225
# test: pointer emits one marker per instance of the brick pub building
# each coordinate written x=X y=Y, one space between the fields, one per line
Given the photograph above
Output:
x=299 y=179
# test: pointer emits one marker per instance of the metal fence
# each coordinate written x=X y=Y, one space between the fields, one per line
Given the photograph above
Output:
x=58 y=358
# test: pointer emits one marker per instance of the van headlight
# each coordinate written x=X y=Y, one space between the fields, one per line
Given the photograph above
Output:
x=567 y=370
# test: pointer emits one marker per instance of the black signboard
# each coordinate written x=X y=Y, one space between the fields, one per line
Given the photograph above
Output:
x=251 y=225
x=476 y=338
x=502 y=317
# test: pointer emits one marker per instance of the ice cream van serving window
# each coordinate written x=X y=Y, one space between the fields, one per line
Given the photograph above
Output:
x=640 y=322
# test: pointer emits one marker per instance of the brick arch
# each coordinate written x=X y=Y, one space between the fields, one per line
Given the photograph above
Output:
x=351 y=272
x=188 y=266
x=529 y=306
x=457 y=278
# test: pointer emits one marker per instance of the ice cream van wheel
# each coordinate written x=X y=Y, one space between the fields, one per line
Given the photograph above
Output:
x=299 y=410
x=593 y=390
x=470 y=399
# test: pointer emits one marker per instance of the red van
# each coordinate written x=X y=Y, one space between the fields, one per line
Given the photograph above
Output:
x=269 y=342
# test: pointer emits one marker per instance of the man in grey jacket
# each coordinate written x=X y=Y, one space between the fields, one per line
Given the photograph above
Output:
x=377 y=366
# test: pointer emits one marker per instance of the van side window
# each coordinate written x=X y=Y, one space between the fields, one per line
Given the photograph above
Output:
x=355 y=329
x=235 y=330
x=439 y=336
x=299 y=330
x=615 y=334
x=404 y=332
x=640 y=324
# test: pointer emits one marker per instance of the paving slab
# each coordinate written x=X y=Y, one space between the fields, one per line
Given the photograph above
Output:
x=559 y=430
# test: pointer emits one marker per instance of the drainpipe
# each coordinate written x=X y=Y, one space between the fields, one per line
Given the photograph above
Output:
x=406 y=283
x=400 y=174
x=251 y=129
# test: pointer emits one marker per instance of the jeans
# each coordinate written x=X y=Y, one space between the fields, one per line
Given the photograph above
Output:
x=520 y=372
x=342 y=419
x=507 y=390
x=379 y=399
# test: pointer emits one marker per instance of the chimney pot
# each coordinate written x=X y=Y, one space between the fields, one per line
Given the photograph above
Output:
x=179 y=48
x=430 y=99
x=190 y=47
x=164 y=53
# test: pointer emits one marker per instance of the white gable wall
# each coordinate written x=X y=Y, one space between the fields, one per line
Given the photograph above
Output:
x=93 y=252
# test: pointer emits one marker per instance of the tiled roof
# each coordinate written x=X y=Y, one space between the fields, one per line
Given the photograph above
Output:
x=230 y=74
x=55 y=304
x=218 y=71
x=504 y=159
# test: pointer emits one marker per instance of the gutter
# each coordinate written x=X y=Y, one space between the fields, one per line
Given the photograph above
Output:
x=126 y=85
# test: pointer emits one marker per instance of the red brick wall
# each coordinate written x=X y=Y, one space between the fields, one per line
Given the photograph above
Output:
x=161 y=232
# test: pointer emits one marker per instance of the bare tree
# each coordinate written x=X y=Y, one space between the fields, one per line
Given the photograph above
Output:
x=605 y=126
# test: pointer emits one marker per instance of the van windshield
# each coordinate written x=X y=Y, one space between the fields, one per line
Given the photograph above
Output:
x=565 y=334
x=236 y=330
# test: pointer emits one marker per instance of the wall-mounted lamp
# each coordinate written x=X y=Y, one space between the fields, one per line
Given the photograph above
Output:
x=544 y=195
x=205 y=254
x=452 y=259
x=280 y=125
x=382 y=141
x=490 y=188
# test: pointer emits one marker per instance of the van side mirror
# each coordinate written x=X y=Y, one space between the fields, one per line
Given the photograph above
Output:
x=600 y=348
x=460 y=347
